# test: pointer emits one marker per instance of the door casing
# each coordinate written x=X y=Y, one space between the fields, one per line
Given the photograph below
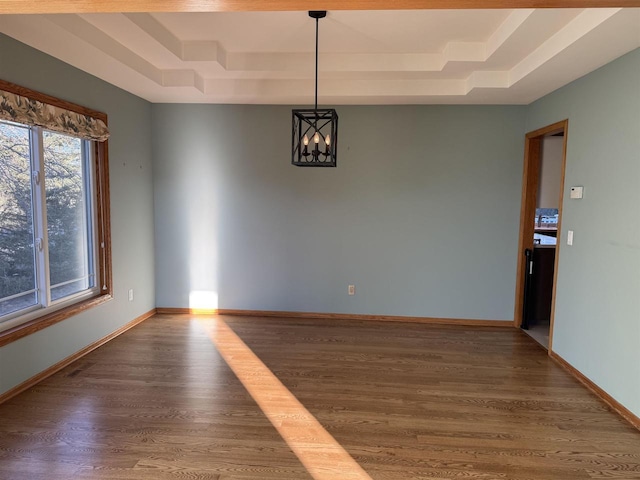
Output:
x=530 y=179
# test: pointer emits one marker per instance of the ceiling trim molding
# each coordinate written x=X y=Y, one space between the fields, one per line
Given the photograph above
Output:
x=82 y=29
x=130 y=6
x=513 y=22
x=569 y=34
x=521 y=55
x=213 y=51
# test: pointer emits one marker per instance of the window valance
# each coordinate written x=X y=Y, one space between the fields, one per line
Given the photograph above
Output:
x=28 y=111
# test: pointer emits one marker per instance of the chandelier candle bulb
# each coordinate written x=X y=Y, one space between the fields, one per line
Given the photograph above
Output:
x=316 y=138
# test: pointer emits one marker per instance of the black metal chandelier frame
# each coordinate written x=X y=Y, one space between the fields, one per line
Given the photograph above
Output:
x=314 y=139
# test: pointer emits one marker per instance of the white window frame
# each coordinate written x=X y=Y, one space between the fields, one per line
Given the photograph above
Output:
x=43 y=285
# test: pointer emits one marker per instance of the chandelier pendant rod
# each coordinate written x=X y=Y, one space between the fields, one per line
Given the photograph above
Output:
x=316 y=97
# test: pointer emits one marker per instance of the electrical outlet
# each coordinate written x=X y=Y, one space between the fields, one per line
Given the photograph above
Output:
x=131 y=295
x=352 y=289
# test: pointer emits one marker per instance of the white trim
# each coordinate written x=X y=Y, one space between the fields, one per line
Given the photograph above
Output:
x=38 y=310
x=11 y=297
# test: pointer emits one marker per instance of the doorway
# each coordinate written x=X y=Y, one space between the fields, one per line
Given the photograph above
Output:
x=540 y=226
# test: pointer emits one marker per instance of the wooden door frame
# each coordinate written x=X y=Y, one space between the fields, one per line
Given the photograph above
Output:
x=530 y=179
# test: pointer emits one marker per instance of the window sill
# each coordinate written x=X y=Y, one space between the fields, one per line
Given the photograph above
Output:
x=37 y=324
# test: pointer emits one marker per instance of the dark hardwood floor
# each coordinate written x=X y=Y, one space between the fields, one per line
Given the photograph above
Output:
x=405 y=401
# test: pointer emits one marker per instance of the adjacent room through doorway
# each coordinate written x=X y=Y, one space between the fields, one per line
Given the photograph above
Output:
x=540 y=224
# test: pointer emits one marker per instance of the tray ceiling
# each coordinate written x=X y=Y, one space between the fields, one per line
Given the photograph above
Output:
x=366 y=57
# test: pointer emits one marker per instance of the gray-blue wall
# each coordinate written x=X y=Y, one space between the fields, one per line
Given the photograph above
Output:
x=421 y=214
x=597 y=315
x=131 y=210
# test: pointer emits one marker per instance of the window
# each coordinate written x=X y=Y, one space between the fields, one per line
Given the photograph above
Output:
x=54 y=242
x=47 y=252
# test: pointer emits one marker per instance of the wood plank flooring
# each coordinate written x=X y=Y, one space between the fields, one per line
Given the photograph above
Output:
x=406 y=401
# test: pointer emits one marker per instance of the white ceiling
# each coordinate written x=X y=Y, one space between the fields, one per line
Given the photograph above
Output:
x=366 y=57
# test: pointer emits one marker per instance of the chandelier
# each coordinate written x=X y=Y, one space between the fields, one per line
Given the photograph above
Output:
x=314 y=139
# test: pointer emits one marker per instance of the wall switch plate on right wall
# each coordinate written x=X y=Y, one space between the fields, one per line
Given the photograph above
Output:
x=576 y=192
x=570 y=237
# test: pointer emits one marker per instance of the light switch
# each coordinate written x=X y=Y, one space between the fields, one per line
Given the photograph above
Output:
x=570 y=237
x=576 y=192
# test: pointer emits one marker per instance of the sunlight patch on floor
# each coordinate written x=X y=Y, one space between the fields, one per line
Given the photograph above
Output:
x=317 y=450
